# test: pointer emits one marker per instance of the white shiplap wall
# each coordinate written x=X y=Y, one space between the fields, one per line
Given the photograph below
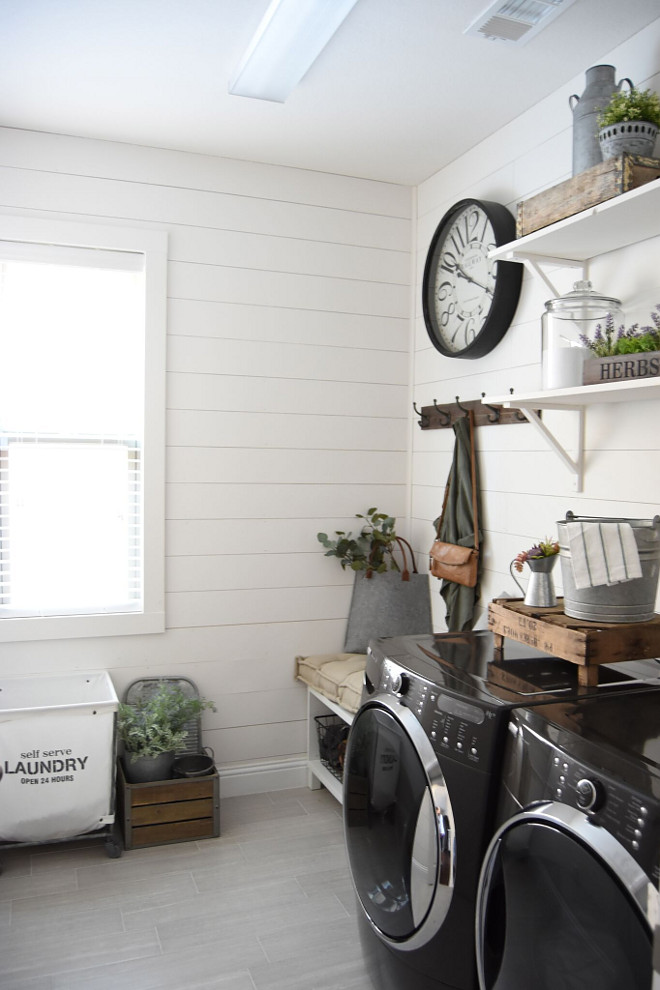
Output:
x=288 y=399
x=525 y=488
x=287 y=406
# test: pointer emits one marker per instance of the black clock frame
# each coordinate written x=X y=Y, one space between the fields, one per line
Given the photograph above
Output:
x=508 y=281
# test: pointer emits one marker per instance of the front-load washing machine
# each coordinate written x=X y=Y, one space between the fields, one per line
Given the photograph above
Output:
x=421 y=775
x=568 y=896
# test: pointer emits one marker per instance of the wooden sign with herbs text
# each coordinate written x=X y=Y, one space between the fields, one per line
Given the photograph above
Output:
x=619 y=367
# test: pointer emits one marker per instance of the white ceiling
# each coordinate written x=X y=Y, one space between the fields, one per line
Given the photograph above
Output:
x=399 y=91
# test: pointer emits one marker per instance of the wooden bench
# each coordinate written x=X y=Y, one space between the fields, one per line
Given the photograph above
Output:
x=334 y=689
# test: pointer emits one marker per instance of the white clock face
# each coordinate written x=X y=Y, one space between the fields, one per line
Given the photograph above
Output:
x=464 y=280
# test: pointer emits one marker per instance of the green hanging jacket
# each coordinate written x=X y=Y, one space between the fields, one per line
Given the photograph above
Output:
x=458 y=527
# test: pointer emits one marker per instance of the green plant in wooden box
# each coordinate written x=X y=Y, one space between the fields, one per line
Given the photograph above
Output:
x=154 y=728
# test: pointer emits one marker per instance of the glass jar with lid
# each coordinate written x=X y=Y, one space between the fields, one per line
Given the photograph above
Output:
x=567 y=319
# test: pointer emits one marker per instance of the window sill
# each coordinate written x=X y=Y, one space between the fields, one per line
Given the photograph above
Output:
x=80 y=626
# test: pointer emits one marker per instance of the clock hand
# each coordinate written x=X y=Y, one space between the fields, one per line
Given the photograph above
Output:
x=469 y=278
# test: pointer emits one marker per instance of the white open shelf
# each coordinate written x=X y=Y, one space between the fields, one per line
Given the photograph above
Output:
x=582 y=395
x=617 y=223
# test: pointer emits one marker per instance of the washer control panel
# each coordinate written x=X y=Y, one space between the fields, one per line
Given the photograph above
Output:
x=631 y=818
x=456 y=727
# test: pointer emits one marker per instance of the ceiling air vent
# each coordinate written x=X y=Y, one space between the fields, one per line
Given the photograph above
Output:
x=516 y=21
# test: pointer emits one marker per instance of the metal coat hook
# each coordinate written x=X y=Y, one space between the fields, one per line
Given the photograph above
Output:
x=423 y=418
x=519 y=415
x=496 y=410
x=437 y=417
x=441 y=413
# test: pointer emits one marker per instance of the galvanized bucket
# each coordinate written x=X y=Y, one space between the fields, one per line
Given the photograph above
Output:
x=629 y=601
x=194 y=764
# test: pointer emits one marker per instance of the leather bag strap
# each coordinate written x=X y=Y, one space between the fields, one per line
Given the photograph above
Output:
x=473 y=469
x=405 y=573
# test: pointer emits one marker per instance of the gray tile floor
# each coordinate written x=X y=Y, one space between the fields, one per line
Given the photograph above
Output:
x=266 y=906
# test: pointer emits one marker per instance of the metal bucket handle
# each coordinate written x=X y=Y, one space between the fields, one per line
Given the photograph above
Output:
x=571 y=517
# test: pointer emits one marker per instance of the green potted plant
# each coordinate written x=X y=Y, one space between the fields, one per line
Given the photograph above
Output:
x=370 y=550
x=629 y=123
x=153 y=729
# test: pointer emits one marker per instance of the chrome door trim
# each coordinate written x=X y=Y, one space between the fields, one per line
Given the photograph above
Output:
x=444 y=821
x=597 y=839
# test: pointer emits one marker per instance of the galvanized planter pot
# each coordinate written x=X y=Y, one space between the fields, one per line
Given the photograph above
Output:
x=621 y=367
x=146 y=768
x=633 y=137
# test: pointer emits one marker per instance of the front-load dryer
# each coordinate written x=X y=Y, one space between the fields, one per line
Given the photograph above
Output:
x=421 y=776
x=568 y=896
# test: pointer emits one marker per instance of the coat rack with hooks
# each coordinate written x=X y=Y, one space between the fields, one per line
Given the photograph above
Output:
x=443 y=415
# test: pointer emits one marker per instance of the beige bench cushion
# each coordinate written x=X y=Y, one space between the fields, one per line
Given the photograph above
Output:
x=337 y=676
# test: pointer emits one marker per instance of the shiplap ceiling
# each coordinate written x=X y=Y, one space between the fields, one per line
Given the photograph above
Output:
x=399 y=91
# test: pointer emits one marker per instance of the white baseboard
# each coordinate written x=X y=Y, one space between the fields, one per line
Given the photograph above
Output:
x=257 y=778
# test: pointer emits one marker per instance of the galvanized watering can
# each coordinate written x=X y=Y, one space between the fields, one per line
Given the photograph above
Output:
x=541 y=589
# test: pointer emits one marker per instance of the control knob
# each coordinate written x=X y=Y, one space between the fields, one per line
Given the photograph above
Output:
x=400 y=683
x=590 y=794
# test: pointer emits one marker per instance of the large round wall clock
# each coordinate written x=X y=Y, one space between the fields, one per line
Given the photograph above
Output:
x=469 y=300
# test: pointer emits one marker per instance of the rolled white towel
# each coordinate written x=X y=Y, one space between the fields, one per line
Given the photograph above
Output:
x=602 y=553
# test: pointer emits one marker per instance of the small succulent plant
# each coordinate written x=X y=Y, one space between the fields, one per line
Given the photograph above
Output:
x=544 y=548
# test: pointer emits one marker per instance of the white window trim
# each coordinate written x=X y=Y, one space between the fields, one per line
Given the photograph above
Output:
x=153 y=244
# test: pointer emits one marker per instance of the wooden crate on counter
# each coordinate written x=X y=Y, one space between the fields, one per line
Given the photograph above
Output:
x=587 y=644
x=593 y=186
x=621 y=367
x=163 y=811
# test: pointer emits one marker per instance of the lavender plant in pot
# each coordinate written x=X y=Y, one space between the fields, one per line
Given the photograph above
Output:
x=622 y=353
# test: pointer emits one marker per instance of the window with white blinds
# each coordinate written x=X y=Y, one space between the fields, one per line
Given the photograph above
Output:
x=76 y=342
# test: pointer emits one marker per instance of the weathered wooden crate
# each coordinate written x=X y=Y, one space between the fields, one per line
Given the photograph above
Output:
x=165 y=811
x=593 y=186
x=587 y=644
x=621 y=367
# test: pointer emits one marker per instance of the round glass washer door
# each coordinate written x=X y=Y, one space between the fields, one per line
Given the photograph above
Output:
x=563 y=906
x=399 y=825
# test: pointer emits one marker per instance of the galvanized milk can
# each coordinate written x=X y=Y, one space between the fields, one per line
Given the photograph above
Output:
x=599 y=89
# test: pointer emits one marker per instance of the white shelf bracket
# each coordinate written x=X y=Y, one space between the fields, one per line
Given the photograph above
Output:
x=534 y=262
x=574 y=465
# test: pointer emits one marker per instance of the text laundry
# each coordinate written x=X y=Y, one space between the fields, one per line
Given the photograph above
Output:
x=32 y=767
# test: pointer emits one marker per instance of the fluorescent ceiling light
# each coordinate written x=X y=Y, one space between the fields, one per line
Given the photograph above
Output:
x=290 y=37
